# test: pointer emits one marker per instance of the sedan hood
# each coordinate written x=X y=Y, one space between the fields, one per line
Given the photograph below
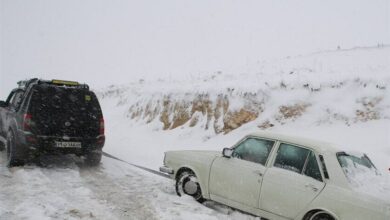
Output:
x=204 y=152
x=192 y=156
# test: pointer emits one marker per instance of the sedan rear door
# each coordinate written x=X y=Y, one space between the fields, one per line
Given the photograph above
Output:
x=293 y=182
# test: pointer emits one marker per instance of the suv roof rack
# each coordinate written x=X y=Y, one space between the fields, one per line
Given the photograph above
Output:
x=23 y=84
x=64 y=83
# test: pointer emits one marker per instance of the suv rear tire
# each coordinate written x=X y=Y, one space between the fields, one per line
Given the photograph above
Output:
x=93 y=158
x=12 y=159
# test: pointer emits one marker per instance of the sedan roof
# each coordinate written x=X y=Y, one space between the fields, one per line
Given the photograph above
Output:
x=319 y=146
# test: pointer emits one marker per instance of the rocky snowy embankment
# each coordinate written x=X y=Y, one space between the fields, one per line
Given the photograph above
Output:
x=350 y=86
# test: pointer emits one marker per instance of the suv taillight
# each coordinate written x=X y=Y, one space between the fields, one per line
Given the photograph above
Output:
x=101 y=126
x=27 y=121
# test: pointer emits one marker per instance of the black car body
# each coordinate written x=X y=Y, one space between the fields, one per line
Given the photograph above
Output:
x=51 y=117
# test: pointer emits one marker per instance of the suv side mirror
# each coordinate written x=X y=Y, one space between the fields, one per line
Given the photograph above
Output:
x=227 y=152
x=3 y=104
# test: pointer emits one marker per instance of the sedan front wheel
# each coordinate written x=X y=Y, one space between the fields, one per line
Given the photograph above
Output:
x=187 y=183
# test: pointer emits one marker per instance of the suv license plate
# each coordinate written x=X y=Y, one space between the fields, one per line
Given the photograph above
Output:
x=68 y=144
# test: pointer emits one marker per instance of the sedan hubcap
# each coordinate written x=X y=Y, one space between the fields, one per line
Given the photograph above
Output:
x=190 y=187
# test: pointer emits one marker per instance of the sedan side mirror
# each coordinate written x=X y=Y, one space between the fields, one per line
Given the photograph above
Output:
x=3 y=104
x=227 y=152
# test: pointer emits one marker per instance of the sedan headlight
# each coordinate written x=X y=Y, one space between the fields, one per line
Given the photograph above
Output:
x=165 y=156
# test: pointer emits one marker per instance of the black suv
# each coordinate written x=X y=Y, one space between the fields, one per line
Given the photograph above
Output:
x=48 y=117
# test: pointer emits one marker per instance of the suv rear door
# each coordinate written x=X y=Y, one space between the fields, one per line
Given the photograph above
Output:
x=59 y=111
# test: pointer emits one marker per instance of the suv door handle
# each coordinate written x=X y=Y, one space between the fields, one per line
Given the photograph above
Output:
x=258 y=172
x=313 y=187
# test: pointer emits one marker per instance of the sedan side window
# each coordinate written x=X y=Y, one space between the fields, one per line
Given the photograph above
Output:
x=312 y=169
x=291 y=157
x=254 y=150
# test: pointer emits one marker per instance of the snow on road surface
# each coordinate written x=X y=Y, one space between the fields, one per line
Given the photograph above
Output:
x=66 y=189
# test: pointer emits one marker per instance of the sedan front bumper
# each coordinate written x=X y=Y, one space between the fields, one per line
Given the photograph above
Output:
x=167 y=170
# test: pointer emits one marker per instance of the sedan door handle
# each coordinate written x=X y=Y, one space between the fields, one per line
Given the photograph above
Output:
x=258 y=172
x=313 y=187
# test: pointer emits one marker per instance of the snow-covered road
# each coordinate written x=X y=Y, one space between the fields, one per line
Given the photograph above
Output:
x=66 y=189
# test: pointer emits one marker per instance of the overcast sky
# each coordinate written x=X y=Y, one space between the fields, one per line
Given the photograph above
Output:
x=116 y=41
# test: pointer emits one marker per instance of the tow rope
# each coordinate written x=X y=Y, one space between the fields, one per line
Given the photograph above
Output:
x=138 y=166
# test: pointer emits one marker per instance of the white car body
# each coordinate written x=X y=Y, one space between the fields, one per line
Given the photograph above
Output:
x=275 y=192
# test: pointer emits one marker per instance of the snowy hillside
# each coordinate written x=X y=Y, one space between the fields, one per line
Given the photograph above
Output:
x=338 y=96
x=346 y=86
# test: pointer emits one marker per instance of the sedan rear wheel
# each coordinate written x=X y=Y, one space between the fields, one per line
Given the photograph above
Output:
x=187 y=183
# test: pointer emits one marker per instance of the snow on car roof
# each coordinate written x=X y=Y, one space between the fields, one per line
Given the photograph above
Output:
x=320 y=146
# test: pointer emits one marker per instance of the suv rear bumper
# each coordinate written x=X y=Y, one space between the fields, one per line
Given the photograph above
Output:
x=35 y=144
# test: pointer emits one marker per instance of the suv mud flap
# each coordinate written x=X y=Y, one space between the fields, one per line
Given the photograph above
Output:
x=3 y=142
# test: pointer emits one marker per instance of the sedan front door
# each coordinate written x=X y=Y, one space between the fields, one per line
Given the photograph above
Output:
x=238 y=179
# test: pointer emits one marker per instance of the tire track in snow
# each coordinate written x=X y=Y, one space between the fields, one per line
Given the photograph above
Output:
x=66 y=189
x=124 y=192
x=54 y=192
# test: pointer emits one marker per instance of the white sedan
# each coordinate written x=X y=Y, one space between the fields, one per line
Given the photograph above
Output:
x=278 y=177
